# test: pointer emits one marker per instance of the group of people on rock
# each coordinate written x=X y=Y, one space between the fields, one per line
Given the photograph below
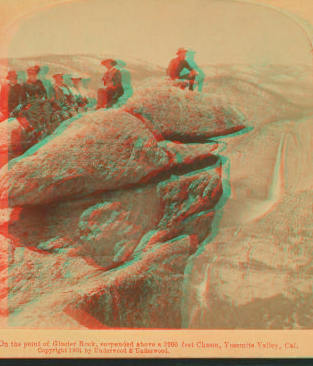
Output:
x=41 y=110
x=16 y=97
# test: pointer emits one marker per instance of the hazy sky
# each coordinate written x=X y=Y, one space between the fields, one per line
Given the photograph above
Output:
x=219 y=31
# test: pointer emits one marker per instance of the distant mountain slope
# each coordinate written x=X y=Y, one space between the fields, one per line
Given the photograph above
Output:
x=292 y=82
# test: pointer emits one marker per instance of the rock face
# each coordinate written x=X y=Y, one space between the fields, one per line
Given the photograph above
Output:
x=106 y=251
x=71 y=293
x=79 y=237
x=102 y=151
x=92 y=155
x=108 y=227
x=133 y=296
x=110 y=224
x=185 y=115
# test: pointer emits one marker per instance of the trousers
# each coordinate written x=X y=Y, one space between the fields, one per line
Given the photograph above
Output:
x=107 y=97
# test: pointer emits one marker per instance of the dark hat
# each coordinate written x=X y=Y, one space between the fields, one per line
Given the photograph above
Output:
x=11 y=74
x=33 y=70
x=109 y=61
x=181 y=50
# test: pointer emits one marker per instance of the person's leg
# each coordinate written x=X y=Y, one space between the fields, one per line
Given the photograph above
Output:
x=32 y=113
x=106 y=97
x=180 y=83
x=101 y=98
x=25 y=124
x=112 y=97
x=118 y=94
x=191 y=80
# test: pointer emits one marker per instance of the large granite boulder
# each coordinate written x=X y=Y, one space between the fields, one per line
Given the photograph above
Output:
x=69 y=292
x=129 y=244
x=184 y=115
x=133 y=296
x=109 y=225
x=102 y=151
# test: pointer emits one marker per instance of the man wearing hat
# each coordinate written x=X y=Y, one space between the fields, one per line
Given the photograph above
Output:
x=36 y=108
x=42 y=75
x=64 y=101
x=79 y=93
x=33 y=87
x=11 y=96
x=177 y=65
x=112 y=81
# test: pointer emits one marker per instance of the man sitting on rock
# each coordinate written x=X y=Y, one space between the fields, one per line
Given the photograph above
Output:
x=12 y=96
x=175 y=68
x=78 y=93
x=64 y=101
x=112 y=81
x=34 y=87
x=36 y=109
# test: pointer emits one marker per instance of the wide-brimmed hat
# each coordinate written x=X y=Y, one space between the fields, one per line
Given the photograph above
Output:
x=181 y=50
x=34 y=70
x=11 y=74
x=109 y=61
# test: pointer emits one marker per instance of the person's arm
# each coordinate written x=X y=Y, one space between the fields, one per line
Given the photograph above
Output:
x=22 y=101
x=105 y=79
x=189 y=68
x=51 y=93
x=58 y=98
x=42 y=90
x=171 y=70
x=23 y=96
x=70 y=100
x=117 y=78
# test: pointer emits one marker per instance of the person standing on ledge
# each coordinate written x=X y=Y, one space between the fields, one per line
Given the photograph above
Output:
x=112 y=81
x=177 y=66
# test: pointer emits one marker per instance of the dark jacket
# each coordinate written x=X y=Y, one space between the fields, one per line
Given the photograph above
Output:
x=34 y=90
x=176 y=66
x=64 y=99
x=113 y=78
x=10 y=97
